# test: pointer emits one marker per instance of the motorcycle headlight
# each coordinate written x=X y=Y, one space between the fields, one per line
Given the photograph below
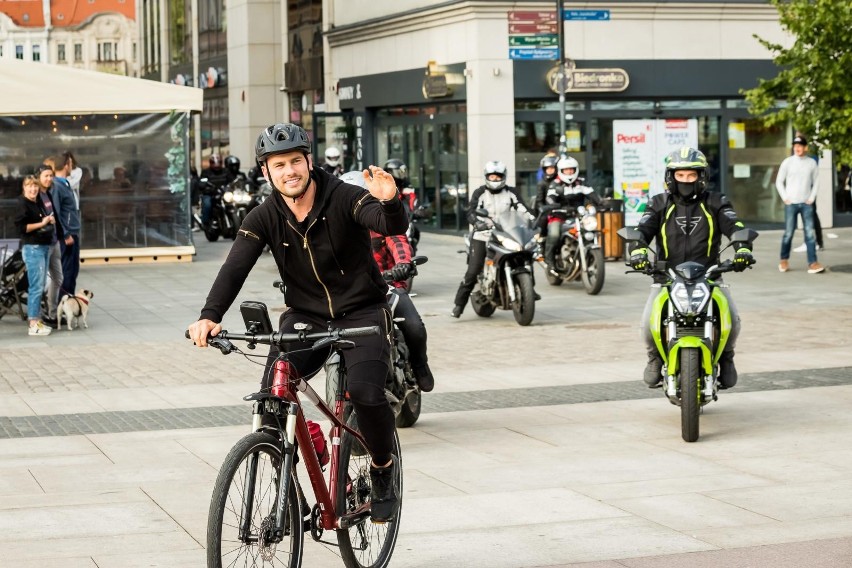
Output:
x=690 y=303
x=509 y=243
x=590 y=223
x=228 y=196
x=590 y=210
x=241 y=196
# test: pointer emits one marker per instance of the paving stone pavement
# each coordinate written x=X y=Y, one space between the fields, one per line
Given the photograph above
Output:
x=536 y=448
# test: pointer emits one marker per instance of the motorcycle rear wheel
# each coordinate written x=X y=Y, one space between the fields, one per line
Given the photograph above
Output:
x=593 y=276
x=524 y=305
x=409 y=410
x=690 y=393
x=481 y=306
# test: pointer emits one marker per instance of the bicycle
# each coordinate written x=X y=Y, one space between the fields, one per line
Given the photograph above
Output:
x=252 y=514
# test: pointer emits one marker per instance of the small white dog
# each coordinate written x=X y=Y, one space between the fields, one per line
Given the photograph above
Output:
x=75 y=307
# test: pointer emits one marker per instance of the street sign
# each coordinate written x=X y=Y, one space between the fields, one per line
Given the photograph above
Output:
x=532 y=17
x=595 y=15
x=575 y=80
x=549 y=40
x=546 y=53
x=534 y=28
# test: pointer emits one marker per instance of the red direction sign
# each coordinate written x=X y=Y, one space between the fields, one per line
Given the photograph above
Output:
x=534 y=28
x=532 y=17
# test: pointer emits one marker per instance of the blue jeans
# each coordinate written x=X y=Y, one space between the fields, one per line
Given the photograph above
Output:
x=36 y=258
x=791 y=213
x=70 y=266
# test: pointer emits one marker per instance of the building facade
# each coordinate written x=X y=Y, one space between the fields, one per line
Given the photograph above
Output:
x=99 y=35
x=444 y=86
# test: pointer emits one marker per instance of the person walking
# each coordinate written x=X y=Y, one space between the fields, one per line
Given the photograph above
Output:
x=797 y=183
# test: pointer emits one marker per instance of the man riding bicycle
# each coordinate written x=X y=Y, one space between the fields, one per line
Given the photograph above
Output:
x=318 y=229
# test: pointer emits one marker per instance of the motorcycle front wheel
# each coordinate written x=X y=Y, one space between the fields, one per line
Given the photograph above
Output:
x=690 y=393
x=524 y=305
x=593 y=276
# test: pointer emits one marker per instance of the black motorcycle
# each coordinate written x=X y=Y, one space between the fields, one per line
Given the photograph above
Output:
x=401 y=388
x=221 y=222
x=507 y=281
x=578 y=253
x=238 y=202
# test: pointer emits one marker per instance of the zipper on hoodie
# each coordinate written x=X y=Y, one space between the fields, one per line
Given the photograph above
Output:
x=313 y=266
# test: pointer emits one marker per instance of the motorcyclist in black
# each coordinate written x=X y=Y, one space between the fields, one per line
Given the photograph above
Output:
x=232 y=164
x=212 y=178
x=495 y=197
x=566 y=191
x=547 y=167
x=688 y=223
x=318 y=229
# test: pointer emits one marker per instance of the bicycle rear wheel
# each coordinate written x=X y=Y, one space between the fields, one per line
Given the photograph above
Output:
x=366 y=544
x=252 y=466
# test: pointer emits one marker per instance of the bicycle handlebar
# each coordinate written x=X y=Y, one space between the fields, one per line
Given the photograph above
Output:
x=223 y=343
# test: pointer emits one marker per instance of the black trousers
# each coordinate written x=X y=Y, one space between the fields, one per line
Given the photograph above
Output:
x=475 y=262
x=367 y=367
x=412 y=328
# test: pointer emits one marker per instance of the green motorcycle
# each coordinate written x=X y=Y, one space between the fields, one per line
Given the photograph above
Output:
x=690 y=324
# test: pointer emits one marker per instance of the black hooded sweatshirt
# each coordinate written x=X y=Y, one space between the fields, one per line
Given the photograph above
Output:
x=326 y=261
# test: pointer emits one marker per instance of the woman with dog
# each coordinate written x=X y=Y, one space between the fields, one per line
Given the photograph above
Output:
x=37 y=230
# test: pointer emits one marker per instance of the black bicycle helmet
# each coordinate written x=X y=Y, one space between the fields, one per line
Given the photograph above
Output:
x=280 y=138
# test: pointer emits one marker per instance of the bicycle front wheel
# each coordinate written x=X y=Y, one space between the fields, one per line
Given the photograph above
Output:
x=242 y=509
x=366 y=544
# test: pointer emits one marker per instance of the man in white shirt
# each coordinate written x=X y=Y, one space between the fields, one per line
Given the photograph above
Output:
x=797 y=184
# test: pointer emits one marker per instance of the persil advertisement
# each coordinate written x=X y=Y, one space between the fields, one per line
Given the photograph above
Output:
x=639 y=148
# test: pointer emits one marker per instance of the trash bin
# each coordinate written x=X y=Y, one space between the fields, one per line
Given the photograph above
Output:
x=610 y=220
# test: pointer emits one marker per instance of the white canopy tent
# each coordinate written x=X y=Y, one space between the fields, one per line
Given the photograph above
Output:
x=29 y=88
x=130 y=136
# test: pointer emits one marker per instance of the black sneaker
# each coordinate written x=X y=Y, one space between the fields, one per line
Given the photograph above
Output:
x=384 y=492
x=653 y=376
x=424 y=377
x=457 y=311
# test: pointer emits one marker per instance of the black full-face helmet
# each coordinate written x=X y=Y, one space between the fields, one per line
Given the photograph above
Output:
x=686 y=159
x=549 y=161
x=279 y=139
x=232 y=164
x=397 y=168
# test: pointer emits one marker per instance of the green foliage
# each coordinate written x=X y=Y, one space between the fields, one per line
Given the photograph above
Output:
x=816 y=75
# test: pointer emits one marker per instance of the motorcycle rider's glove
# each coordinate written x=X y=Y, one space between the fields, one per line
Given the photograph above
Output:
x=742 y=259
x=639 y=259
x=401 y=271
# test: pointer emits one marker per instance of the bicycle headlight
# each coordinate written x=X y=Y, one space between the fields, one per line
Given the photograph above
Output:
x=228 y=196
x=690 y=303
x=509 y=243
x=590 y=223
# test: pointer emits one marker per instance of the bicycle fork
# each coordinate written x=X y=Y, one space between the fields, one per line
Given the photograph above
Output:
x=283 y=479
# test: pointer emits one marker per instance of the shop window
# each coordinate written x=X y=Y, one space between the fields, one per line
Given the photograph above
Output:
x=623 y=105
x=549 y=105
x=755 y=153
x=689 y=105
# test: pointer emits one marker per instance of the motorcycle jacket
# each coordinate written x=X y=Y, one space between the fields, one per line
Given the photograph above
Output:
x=325 y=261
x=390 y=251
x=559 y=194
x=689 y=231
x=216 y=179
x=494 y=203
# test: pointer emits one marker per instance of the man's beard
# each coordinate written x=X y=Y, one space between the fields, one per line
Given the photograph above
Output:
x=295 y=194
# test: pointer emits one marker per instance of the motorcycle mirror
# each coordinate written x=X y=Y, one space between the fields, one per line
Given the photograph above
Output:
x=630 y=234
x=744 y=235
x=418 y=260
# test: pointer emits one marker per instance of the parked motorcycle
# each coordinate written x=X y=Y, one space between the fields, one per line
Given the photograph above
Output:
x=578 y=252
x=401 y=387
x=690 y=323
x=507 y=281
x=221 y=222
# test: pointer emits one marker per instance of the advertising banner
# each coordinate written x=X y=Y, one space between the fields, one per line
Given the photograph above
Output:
x=639 y=151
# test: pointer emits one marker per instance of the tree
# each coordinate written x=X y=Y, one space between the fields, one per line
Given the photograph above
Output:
x=815 y=80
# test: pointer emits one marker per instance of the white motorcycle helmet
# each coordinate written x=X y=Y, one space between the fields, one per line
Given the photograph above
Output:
x=332 y=156
x=354 y=177
x=567 y=163
x=499 y=168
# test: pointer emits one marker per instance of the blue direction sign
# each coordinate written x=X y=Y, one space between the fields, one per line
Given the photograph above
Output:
x=598 y=15
x=546 y=53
